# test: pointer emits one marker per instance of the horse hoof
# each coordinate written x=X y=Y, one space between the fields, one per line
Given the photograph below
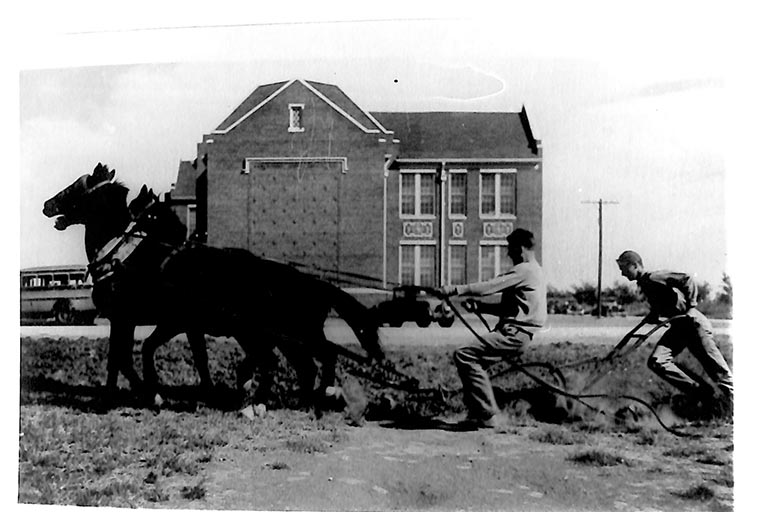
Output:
x=248 y=412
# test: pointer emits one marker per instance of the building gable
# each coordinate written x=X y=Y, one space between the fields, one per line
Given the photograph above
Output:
x=186 y=180
x=329 y=94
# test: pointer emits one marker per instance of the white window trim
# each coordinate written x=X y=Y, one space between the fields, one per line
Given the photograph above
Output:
x=457 y=216
x=291 y=106
x=417 y=186
x=497 y=190
x=416 y=256
x=499 y=253
x=451 y=245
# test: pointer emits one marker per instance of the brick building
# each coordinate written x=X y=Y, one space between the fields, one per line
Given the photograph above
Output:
x=298 y=172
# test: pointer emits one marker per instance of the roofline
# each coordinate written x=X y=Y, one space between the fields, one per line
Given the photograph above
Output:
x=340 y=110
x=257 y=107
x=377 y=123
x=55 y=268
x=469 y=160
x=319 y=95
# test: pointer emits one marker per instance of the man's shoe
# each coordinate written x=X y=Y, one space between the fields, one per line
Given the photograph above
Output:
x=474 y=423
x=495 y=421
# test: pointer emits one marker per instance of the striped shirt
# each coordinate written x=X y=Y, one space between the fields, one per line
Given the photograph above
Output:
x=523 y=294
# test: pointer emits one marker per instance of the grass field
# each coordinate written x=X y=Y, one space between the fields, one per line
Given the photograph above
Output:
x=76 y=451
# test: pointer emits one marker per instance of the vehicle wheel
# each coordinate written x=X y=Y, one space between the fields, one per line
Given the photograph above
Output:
x=63 y=312
x=425 y=319
x=445 y=321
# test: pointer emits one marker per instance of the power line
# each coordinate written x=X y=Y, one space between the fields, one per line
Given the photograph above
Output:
x=600 y=203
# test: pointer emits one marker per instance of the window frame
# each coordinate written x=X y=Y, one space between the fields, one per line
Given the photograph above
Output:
x=497 y=214
x=451 y=173
x=291 y=108
x=449 y=276
x=416 y=244
x=417 y=194
x=191 y=219
x=500 y=252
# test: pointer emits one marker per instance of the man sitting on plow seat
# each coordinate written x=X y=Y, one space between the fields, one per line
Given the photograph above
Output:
x=523 y=309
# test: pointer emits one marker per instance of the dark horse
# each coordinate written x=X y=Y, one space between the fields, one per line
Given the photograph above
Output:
x=146 y=273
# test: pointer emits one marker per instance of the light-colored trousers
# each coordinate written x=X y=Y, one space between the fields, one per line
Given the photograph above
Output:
x=506 y=341
x=695 y=334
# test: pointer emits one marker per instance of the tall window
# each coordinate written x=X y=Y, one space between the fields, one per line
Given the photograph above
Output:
x=191 y=219
x=494 y=261
x=296 y=117
x=418 y=264
x=417 y=194
x=498 y=193
x=457 y=255
x=458 y=198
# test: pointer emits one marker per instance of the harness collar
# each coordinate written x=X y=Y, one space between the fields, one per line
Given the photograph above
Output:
x=119 y=248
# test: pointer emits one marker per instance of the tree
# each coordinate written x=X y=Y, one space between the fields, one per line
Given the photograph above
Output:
x=705 y=291
x=623 y=293
x=585 y=294
x=556 y=293
x=726 y=296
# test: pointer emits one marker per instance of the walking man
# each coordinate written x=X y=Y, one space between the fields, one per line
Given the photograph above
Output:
x=522 y=310
x=671 y=294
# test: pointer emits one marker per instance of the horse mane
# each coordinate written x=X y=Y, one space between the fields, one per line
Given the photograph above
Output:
x=117 y=189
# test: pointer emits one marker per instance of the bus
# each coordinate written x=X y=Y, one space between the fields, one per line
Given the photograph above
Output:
x=60 y=293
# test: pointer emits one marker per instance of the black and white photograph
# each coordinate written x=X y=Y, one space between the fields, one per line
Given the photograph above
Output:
x=376 y=259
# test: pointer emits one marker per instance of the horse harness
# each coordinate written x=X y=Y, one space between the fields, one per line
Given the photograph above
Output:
x=113 y=255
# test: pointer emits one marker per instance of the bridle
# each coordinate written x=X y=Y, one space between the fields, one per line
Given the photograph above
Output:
x=113 y=254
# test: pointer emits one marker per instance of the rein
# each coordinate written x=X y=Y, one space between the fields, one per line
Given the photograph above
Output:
x=580 y=397
x=118 y=249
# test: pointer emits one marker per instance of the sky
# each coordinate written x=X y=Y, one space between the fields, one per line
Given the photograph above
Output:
x=631 y=109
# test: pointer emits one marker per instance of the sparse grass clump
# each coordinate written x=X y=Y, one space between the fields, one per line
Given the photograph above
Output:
x=559 y=436
x=696 y=493
x=194 y=492
x=598 y=458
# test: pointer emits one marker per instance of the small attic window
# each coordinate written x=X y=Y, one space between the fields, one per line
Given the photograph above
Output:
x=295 y=117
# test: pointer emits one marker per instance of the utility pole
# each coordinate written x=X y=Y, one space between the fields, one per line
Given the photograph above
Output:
x=600 y=203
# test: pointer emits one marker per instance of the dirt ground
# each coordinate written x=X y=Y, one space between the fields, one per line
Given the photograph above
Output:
x=399 y=463
x=384 y=466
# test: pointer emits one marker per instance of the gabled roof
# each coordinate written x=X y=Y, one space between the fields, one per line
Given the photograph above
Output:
x=252 y=102
x=186 y=180
x=461 y=134
x=330 y=94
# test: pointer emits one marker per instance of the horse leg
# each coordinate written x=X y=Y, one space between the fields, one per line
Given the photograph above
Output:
x=306 y=370
x=120 y=355
x=259 y=357
x=328 y=359
x=200 y=356
x=128 y=370
x=161 y=335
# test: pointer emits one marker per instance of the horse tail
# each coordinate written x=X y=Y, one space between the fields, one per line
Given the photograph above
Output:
x=360 y=318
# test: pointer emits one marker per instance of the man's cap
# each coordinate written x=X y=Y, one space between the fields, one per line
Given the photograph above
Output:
x=629 y=257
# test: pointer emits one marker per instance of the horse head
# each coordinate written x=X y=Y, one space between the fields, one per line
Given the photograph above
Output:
x=141 y=202
x=156 y=218
x=71 y=205
x=370 y=340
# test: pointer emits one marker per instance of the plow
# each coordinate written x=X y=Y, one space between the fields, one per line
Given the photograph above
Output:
x=547 y=376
